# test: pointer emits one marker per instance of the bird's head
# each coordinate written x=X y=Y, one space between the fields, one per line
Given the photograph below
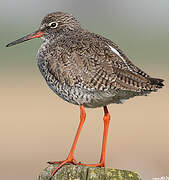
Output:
x=52 y=25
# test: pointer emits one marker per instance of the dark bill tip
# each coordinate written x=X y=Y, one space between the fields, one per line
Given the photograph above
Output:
x=10 y=44
x=25 y=38
x=36 y=34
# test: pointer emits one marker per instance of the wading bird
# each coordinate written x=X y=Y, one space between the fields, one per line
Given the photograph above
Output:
x=87 y=70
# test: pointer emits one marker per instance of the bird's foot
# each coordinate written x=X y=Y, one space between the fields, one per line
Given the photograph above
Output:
x=101 y=164
x=61 y=163
x=55 y=162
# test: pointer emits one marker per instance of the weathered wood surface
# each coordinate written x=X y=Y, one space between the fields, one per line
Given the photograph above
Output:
x=78 y=172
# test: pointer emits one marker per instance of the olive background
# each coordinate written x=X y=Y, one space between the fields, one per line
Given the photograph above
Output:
x=37 y=126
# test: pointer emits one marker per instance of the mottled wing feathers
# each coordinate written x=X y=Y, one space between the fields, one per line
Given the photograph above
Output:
x=128 y=80
x=130 y=64
x=132 y=77
x=90 y=61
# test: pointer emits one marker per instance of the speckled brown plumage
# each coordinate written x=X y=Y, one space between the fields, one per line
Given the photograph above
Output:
x=77 y=58
x=86 y=69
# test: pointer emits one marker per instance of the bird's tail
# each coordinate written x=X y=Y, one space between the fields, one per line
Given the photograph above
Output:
x=157 y=82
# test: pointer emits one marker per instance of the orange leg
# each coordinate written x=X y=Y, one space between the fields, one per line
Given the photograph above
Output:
x=70 y=158
x=105 y=134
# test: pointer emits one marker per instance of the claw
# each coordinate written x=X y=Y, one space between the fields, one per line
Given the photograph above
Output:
x=61 y=163
x=50 y=178
x=54 y=162
x=101 y=164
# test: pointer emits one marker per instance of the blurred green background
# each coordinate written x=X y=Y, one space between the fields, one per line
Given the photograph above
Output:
x=37 y=126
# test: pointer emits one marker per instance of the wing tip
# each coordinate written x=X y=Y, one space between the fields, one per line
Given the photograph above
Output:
x=157 y=82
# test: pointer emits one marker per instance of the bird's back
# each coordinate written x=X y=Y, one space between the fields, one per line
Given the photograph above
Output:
x=92 y=68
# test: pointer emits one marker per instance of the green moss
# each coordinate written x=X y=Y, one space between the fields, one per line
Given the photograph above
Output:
x=78 y=172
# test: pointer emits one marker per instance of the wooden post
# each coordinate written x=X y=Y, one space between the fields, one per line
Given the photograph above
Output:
x=78 y=172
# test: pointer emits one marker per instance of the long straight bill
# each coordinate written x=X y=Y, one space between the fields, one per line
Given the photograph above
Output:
x=36 y=34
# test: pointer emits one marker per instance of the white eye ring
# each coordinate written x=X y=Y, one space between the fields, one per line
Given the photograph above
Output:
x=53 y=24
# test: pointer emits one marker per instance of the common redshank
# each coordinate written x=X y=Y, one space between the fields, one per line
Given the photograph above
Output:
x=87 y=70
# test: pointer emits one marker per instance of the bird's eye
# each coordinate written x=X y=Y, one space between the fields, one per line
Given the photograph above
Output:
x=53 y=24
